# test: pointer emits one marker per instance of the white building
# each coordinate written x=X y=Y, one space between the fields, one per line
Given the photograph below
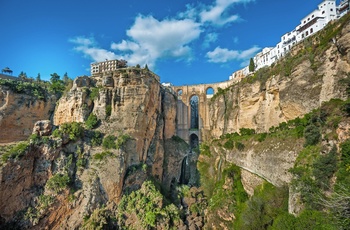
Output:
x=312 y=23
x=106 y=66
x=343 y=8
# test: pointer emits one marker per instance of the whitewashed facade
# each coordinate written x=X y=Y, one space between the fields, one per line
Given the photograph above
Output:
x=310 y=24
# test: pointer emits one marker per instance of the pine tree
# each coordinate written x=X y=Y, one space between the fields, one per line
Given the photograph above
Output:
x=251 y=65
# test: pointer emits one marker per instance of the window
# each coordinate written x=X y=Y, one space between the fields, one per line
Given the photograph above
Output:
x=322 y=12
x=331 y=9
x=311 y=30
x=307 y=33
x=312 y=16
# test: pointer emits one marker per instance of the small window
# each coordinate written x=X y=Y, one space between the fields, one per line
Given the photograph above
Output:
x=331 y=9
x=322 y=12
x=311 y=30
x=307 y=33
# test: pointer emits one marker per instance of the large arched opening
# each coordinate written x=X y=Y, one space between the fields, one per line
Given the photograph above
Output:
x=194 y=141
x=194 y=112
x=210 y=92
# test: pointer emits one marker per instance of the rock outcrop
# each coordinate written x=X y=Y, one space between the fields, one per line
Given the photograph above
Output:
x=19 y=112
x=131 y=105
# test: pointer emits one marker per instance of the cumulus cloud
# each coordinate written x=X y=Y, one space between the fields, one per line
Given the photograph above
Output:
x=151 y=39
x=217 y=14
x=222 y=55
x=89 y=48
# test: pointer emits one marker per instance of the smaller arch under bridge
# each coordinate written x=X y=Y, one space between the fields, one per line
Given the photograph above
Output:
x=193 y=110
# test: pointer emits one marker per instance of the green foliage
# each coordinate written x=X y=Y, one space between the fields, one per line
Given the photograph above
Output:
x=103 y=155
x=92 y=121
x=96 y=138
x=108 y=110
x=73 y=130
x=324 y=168
x=58 y=182
x=260 y=211
x=246 y=132
x=204 y=149
x=94 y=93
x=39 y=91
x=312 y=135
x=15 y=152
x=230 y=144
x=343 y=174
x=308 y=219
x=148 y=206
x=239 y=145
x=109 y=142
x=121 y=140
x=262 y=137
x=251 y=65
x=100 y=219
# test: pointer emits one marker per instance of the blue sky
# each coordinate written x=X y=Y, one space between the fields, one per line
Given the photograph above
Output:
x=184 y=42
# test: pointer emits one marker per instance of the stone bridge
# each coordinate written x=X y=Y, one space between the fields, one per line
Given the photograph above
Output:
x=193 y=135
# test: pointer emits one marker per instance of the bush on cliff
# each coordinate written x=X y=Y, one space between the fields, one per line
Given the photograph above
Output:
x=15 y=152
x=92 y=121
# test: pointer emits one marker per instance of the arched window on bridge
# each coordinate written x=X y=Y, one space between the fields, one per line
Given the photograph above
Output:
x=194 y=141
x=210 y=92
x=179 y=94
x=194 y=112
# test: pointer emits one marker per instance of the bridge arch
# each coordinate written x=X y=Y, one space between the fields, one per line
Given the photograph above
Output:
x=184 y=94
x=209 y=91
x=194 y=112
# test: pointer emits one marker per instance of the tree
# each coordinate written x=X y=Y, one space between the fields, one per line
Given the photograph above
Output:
x=66 y=79
x=251 y=65
x=54 y=77
x=22 y=75
x=38 y=78
x=146 y=67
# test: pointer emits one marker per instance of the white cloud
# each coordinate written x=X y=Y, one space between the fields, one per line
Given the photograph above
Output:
x=89 y=48
x=151 y=39
x=220 y=55
x=209 y=38
x=217 y=14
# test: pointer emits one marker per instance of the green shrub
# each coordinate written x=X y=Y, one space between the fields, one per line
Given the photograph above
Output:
x=246 y=132
x=312 y=135
x=260 y=211
x=324 y=167
x=15 y=152
x=148 y=207
x=58 y=182
x=96 y=139
x=74 y=131
x=92 y=121
x=94 y=93
x=109 y=142
x=108 y=110
x=103 y=155
x=229 y=144
x=240 y=146
x=121 y=140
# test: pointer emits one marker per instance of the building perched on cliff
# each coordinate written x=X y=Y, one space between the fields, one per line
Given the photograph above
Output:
x=313 y=22
x=107 y=66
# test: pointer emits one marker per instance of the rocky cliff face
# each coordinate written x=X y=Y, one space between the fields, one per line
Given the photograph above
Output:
x=263 y=104
x=19 y=112
x=132 y=107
